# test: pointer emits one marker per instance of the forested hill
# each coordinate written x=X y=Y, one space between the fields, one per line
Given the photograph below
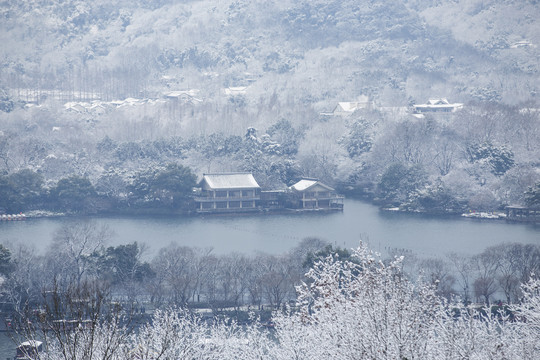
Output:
x=115 y=92
x=314 y=51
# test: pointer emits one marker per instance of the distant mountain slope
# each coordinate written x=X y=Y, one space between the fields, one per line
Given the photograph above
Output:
x=507 y=31
x=320 y=50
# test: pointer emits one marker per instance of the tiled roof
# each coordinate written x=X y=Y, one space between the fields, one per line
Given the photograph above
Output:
x=307 y=183
x=230 y=181
x=441 y=101
x=303 y=184
x=349 y=106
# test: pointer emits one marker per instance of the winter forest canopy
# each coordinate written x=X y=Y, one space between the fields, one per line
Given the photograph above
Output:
x=100 y=97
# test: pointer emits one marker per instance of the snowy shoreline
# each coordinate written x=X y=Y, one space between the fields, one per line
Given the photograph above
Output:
x=488 y=215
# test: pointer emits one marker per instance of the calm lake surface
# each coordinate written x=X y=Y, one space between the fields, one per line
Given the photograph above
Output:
x=7 y=346
x=276 y=234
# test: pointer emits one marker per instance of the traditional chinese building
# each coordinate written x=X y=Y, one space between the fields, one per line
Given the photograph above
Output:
x=313 y=194
x=228 y=192
x=437 y=106
x=346 y=108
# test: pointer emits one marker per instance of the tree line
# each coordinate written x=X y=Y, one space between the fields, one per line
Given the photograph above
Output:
x=168 y=187
x=176 y=275
x=196 y=277
x=481 y=158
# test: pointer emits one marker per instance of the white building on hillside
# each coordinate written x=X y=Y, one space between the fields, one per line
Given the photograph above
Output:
x=346 y=108
x=437 y=106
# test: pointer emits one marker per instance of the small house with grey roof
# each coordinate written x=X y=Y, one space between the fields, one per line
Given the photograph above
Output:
x=313 y=194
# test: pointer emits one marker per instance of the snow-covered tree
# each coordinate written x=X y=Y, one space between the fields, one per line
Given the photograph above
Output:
x=528 y=319
x=359 y=307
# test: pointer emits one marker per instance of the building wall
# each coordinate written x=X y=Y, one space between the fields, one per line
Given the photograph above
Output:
x=317 y=197
x=228 y=200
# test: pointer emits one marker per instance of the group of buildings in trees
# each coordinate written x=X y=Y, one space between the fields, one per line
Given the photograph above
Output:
x=481 y=158
x=233 y=192
x=173 y=187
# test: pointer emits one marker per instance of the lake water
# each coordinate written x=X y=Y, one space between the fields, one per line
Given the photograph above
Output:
x=7 y=346
x=275 y=234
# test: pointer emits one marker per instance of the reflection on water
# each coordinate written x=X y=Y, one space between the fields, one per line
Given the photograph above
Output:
x=425 y=235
